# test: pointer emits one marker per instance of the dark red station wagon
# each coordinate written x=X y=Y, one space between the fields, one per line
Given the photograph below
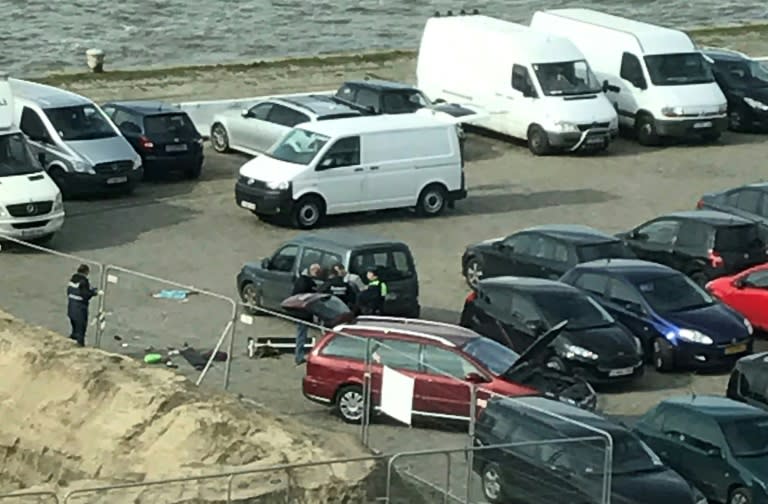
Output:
x=417 y=348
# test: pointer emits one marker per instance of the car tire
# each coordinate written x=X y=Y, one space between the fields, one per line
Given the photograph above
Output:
x=432 y=201
x=350 y=403
x=493 y=491
x=663 y=355
x=645 y=130
x=711 y=137
x=735 y=120
x=473 y=272
x=557 y=364
x=220 y=138
x=307 y=212
x=699 y=277
x=538 y=141
x=59 y=177
x=740 y=495
x=251 y=295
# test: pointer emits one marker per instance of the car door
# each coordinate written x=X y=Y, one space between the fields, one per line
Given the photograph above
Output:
x=339 y=178
x=446 y=390
x=655 y=240
x=404 y=357
x=519 y=100
x=627 y=305
x=749 y=296
x=280 y=275
x=509 y=256
x=624 y=94
x=244 y=129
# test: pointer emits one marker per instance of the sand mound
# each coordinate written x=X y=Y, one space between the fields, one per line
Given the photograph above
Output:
x=72 y=415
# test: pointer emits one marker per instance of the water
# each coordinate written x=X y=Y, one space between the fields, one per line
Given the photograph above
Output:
x=40 y=36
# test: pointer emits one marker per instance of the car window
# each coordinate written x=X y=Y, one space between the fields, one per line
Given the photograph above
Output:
x=345 y=152
x=749 y=200
x=592 y=283
x=284 y=259
x=174 y=124
x=260 y=111
x=660 y=232
x=286 y=116
x=80 y=122
x=631 y=70
x=673 y=293
x=32 y=125
x=520 y=244
x=345 y=347
x=523 y=308
x=702 y=433
x=494 y=420
x=397 y=354
x=316 y=256
x=109 y=110
x=606 y=250
x=521 y=80
x=621 y=293
x=367 y=98
x=738 y=238
x=403 y=101
x=693 y=234
x=747 y=437
x=757 y=279
x=391 y=264
x=444 y=362
x=127 y=122
x=551 y=250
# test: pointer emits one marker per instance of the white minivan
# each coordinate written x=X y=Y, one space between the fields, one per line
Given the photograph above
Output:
x=31 y=208
x=355 y=165
x=657 y=79
x=536 y=87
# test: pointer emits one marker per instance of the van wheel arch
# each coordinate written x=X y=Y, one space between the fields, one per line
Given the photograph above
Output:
x=432 y=199
x=645 y=128
x=300 y=216
x=58 y=173
x=538 y=141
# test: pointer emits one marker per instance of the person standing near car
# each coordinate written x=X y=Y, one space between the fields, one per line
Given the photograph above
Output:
x=305 y=284
x=350 y=278
x=79 y=294
x=339 y=287
x=371 y=300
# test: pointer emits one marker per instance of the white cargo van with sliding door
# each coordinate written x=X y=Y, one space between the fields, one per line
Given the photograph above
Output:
x=355 y=165
x=658 y=81
x=534 y=86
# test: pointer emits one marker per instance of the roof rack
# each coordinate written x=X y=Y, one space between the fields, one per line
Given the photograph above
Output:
x=406 y=321
x=462 y=12
x=417 y=334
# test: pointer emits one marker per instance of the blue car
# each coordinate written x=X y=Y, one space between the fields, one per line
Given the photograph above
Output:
x=678 y=322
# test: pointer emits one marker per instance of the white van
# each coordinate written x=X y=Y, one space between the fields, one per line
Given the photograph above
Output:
x=537 y=87
x=31 y=208
x=79 y=146
x=657 y=79
x=354 y=165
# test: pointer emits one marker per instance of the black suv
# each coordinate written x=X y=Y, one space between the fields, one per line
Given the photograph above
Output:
x=543 y=251
x=748 y=201
x=541 y=469
x=268 y=283
x=744 y=82
x=702 y=244
x=163 y=135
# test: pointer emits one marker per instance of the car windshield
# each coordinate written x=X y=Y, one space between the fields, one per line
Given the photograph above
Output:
x=15 y=158
x=494 y=356
x=673 y=293
x=83 y=122
x=678 y=69
x=607 y=250
x=580 y=310
x=169 y=125
x=738 y=238
x=298 y=146
x=403 y=101
x=747 y=437
x=566 y=78
x=630 y=455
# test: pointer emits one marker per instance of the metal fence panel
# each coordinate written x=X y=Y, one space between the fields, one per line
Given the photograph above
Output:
x=30 y=498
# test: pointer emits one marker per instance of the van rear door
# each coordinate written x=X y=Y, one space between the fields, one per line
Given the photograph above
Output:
x=395 y=267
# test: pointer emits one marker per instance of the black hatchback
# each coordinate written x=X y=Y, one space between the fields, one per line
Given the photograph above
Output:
x=517 y=311
x=163 y=135
x=748 y=201
x=703 y=244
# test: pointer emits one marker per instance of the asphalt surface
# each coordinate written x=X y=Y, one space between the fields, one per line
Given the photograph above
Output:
x=194 y=234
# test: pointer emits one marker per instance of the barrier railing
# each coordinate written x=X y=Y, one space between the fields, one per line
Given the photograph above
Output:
x=30 y=498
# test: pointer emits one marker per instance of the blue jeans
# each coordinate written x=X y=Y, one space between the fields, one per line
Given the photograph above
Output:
x=301 y=341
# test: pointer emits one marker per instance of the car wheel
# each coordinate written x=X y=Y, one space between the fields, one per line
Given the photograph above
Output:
x=473 y=272
x=350 y=403
x=645 y=130
x=735 y=120
x=740 y=496
x=538 y=141
x=557 y=364
x=699 y=277
x=711 y=137
x=663 y=355
x=431 y=201
x=219 y=138
x=491 y=480
x=308 y=212
x=251 y=296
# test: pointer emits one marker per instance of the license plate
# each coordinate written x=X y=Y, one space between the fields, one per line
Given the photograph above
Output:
x=595 y=140
x=27 y=233
x=117 y=180
x=176 y=148
x=734 y=349
x=705 y=124
x=248 y=205
x=621 y=372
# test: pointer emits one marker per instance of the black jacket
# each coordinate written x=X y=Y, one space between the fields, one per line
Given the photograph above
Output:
x=79 y=294
x=371 y=300
x=304 y=285
x=341 y=289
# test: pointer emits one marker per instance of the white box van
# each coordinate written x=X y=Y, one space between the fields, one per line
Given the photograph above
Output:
x=79 y=146
x=31 y=207
x=657 y=79
x=537 y=87
x=354 y=165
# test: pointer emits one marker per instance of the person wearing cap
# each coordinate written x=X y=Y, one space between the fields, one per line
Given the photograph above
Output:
x=79 y=294
x=371 y=300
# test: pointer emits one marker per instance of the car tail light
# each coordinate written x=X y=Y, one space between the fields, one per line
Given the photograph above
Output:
x=471 y=297
x=715 y=259
x=700 y=204
x=146 y=143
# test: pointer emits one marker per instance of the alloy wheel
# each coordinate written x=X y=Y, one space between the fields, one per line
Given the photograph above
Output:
x=351 y=405
x=474 y=273
x=491 y=484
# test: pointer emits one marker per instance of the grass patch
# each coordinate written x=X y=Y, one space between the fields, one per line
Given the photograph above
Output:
x=729 y=31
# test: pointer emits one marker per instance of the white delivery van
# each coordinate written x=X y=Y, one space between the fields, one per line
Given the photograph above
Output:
x=79 y=146
x=31 y=208
x=354 y=165
x=537 y=87
x=657 y=79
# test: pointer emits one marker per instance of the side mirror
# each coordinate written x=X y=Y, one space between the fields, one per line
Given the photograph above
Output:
x=245 y=113
x=608 y=87
x=265 y=263
x=475 y=378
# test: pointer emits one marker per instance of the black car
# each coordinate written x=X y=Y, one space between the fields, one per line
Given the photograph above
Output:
x=543 y=251
x=703 y=244
x=267 y=283
x=744 y=82
x=749 y=380
x=747 y=201
x=163 y=135
x=679 y=324
x=516 y=311
x=560 y=458
x=718 y=445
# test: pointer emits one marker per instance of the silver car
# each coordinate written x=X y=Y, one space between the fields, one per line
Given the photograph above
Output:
x=256 y=129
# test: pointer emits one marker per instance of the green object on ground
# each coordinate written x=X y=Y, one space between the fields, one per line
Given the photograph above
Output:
x=152 y=358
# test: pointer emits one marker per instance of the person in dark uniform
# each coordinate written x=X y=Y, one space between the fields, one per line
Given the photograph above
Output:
x=337 y=286
x=371 y=300
x=79 y=294
x=305 y=284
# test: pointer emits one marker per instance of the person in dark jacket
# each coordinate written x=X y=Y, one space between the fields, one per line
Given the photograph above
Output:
x=337 y=286
x=79 y=294
x=371 y=300
x=305 y=284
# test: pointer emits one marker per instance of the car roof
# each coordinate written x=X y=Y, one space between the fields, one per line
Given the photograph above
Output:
x=447 y=334
x=380 y=84
x=712 y=217
x=546 y=409
x=46 y=96
x=714 y=406
x=576 y=233
x=343 y=239
x=376 y=123
x=632 y=269
x=147 y=107
x=527 y=284
x=724 y=54
x=319 y=105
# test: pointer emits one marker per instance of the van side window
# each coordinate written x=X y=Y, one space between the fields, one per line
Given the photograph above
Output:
x=345 y=152
x=521 y=80
x=32 y=126
x=631 y=70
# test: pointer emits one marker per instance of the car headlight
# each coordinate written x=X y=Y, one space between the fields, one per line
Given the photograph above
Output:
x=694 y=336
x=58 y=203
x=574 y=351
x=82 y=167
x=3 y=211
x=756 y=104
x=566 y=126
x=672 y=111
x=278 y=186
x=749 y=327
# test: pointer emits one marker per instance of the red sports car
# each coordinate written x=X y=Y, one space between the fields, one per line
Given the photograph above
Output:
x=745 y=292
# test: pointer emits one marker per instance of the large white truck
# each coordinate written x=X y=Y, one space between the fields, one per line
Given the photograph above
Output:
x=31 y=207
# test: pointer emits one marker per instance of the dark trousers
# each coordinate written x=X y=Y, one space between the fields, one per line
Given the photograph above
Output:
x=79 y=324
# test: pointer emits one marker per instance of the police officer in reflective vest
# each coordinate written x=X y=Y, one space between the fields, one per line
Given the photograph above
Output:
x=79 y=294
x=371 y=300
